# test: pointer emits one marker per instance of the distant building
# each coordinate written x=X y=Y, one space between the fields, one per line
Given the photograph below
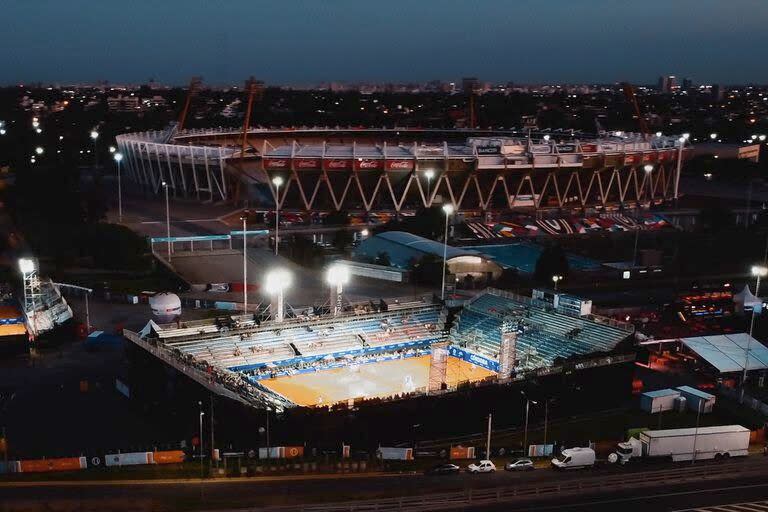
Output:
x=718 y=92
x=121 y=103
x=470 y=85
x=687 y=84
x=667 y=83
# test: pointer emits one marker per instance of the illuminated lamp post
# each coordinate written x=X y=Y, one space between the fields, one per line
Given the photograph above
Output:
x=118 y=160
x=244 y=218
x=556 y=279
x=277 y=181
x=758 y=271
x=167 y=219
x=275 y=284
x=95 y=137
x=429 y=174
x=338 y=275
x=448 y=210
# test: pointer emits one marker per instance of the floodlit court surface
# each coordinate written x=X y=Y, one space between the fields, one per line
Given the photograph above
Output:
x=368 y=380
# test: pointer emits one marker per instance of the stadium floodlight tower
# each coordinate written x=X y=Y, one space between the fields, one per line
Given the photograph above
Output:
x=337 y=277
x=275 y=284
x=32 y=294
x=448 y=210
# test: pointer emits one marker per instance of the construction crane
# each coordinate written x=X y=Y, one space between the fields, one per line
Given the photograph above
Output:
x=629 y=94
x=255 y=90
x=194 y=87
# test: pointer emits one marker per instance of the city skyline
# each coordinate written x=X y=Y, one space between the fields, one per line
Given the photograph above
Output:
x=303 y=43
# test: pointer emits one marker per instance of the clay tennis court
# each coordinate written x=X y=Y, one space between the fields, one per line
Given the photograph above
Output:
x=368 y=380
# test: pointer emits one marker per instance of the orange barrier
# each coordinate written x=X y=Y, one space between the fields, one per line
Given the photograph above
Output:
x=462 y=452
x=293 y=452
x=168 y=457
x=47 y=465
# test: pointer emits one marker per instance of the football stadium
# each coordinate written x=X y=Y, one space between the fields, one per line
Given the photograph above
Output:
x=385 y=350
x=398 y=171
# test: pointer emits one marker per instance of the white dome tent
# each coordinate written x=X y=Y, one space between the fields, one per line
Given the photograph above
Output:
x=165 y=306
x=745 y=300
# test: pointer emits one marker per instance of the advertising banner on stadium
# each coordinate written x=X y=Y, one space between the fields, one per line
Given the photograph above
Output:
x=589 y=148
x=48 y=465
x=631 y=159
x=293 y=452
x=307 y=163
x=391 y=453
x=369 y=164
x=168 y=457
x=488 y=150
x=337 y=164
x=566 y=148
x=398 y=165
x=462 y=452
x=473 y=358
x=649 y=157
x=127 y=459
x=276 y=163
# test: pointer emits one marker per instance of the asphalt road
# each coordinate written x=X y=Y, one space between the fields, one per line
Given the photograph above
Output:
x=272 y=491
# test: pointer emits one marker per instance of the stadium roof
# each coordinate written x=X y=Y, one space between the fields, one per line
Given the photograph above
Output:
x=424 y=245
x=727 y=352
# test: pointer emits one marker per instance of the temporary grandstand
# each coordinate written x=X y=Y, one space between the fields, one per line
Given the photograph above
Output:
x=505 y=334
x=543 y=333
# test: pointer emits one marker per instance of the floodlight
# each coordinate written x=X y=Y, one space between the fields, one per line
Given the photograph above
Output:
x=26 y=265
x=94 y=134
x=448 y=208
x=277 y=281
x=118 y=157
x=277 y=181
x=338 y=274
x=429 y=174
x=759 y=271
x=648 y=168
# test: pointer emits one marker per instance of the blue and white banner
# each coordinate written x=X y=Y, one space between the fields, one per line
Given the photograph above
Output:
x=471 y=357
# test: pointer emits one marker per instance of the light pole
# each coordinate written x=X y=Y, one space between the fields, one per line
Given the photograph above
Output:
x=488 y=438
x=448 y=210
x=681 y=144
x=546 y=417
x=118 y=160
x=200 y=404
x=429 y=174
x=337 y=276
x=556 y=279
x=277 y=181
x=696 y=432
x=648 y=169
x=244 y=218
x=528 y=403
x=167 y=219
x=95 y=137
x=758 y=271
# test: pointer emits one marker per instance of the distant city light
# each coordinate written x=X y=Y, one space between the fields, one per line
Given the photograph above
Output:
x=713 y=136
x=94 y=134
x=39 y=150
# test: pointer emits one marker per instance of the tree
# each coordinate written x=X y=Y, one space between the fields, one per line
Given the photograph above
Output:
x=552 y=262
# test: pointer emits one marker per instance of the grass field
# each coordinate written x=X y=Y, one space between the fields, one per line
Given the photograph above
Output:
x=368 y=380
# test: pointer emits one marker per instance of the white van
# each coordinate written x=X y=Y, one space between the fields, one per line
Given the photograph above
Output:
x=574 y=458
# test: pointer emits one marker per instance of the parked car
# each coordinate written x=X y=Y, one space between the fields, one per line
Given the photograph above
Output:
x=484 y=466
x=443 y=469
x=519 y=465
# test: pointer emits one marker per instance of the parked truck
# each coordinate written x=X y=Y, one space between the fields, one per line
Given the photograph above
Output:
x=685 y=444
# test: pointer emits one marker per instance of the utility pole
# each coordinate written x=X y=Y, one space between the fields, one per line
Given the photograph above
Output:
x=488 y=439
x=213 y=446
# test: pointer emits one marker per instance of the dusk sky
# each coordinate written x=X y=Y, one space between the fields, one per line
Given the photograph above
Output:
x=304 y=42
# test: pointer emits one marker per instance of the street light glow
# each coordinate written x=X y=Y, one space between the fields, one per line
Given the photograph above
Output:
x=648 y=168
x=364 y=232
x=658 y=134
x=338 y=274
x=94 y=134
x=277 y=181
x=448 y=208
x=429 y=174
x=118 y=157
x=277 y=281
x=39 y=150
x=713 y=136
x=759 y=271
x=26 y=265
x=112 y=149
x=686 y=136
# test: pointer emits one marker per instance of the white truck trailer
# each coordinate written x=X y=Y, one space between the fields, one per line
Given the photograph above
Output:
x=685 y=444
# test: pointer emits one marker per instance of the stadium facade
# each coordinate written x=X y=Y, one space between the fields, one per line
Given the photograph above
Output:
x=400 y=170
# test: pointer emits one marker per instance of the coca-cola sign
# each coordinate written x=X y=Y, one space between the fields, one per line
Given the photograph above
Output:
x=589 y=148
x=337 y=164
x=399 y=165
x=276 y=163
x=368 y=164
x=306 y=163
x=649 y=157
x=630 y=159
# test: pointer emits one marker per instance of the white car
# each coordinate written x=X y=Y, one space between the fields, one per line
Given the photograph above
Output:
x=484 y=466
